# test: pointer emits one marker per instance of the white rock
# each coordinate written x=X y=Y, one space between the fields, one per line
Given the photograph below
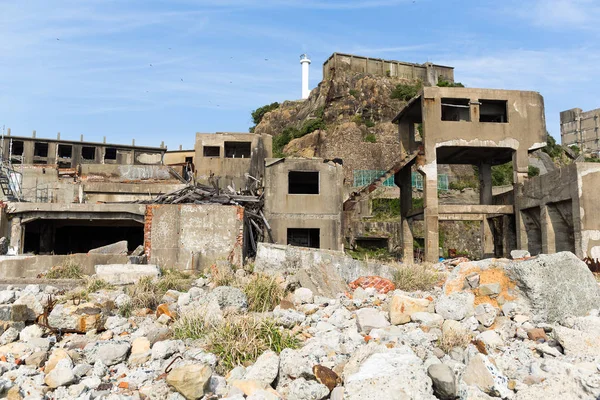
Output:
x=61 y=375
x=125 y=274
x=9 y=336
x=265 y=368
x=456 y=306
x=301 y=389
x=302 y=296
x=109 y=352
x=7 y=296
x=485 y=314
x=395 y=374
x=515 y=254
x=122 y=300
x=578 y=343
x=166 y=348
x=427 y=319
x=31 y=332
x=288 y=317
x=34 y=307
x=481 y=372
x=491 y=339
x=370 y=318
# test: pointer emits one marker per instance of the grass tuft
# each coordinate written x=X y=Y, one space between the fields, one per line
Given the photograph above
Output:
x=69 y=270
x=411 y=277
x=190 y=326
x=452 y=339
x=263 y=292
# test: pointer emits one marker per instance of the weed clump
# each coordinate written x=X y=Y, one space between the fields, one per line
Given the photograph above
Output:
x=263 y=292
x=69 y=270
x=412 y=277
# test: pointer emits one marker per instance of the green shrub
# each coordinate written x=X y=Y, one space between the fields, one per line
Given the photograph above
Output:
x=190 y=326
x=354 y=93
x=126 y=309
x=405 y=92
x=311 y=125
x=259 y=113
x=417 y=202
x=533 y=171
x=365 y=254
x=369 y=123
x=552 y=149
x=502 y=174
x=464 y=183
x=592 y=159
x=370 y=138
x=442 y=82
x=282 y=140
x=95 y=284
x=385 y=207
x=263 y=292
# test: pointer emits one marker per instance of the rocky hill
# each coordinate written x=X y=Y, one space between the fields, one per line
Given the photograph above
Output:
x=348 y=117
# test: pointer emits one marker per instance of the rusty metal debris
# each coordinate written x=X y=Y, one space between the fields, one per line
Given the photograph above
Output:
x=168 y=369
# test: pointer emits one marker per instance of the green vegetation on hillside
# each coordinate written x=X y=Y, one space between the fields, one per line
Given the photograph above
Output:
x=442 y=82
x=259 y=113
x=406 y=91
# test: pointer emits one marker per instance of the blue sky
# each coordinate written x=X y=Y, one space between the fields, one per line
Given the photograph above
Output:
x=163 y=70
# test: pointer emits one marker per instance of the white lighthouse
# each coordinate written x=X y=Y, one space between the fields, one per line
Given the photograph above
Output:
x=305 y=61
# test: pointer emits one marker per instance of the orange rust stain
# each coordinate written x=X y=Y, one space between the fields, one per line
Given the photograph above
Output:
x=124 y=385
x=490 y=275
x=457 y=284
x=240 y=213
x=368 y=338
x=82 y=324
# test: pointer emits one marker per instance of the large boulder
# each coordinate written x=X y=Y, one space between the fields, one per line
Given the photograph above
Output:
x=394 y=374
x=555 y=286
x=114 y=248
x=190 y=380
x=83 y=317
x=403 y=307
x=125 y=274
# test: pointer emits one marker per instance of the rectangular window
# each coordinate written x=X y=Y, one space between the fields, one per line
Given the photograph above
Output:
x=110 y=153
x=456 y=110
x=303 y=182
x=304 y=237
x=212 y=151
x=65 y=151
x=40 y=149
x=493 y=111
x=189 y=160
x=238 y=149
x=17 y=147
x=88 y=153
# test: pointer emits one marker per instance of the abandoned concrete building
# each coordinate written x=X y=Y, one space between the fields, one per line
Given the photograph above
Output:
x=428 y=73
x=559 y=211
x=228 y=157
x=481 y=127
x=303 y=202
x=582 y=129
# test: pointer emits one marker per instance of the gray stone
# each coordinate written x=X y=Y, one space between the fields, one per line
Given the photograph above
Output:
x=490 y=289
x=485 y=314
x=301 y=389
x=481 y=372
x=427 y=319
x=371 y=318
x=555 y=286
x=302 y=296
x=472 y=281
x=166 y=348
x=7 y=296
x=456 y=306
x=125 y=274
x=9 y=336
x=265 y=369
x=578 y=343
x=288 y=317
x=230 y=298
x=337 y=393
x=516 y=254
x=34 y=307
x=114 y=248
x=109 y=352
x=139 y=251
x=444 y=381
x=14 y=312
x=491 y=339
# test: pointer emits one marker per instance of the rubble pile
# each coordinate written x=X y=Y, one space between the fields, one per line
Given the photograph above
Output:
x=497 y=328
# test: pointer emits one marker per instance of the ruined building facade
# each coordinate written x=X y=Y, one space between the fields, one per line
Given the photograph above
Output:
x=582 y=129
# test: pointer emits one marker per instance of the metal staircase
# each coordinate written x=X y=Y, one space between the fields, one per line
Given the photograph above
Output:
x=10 y=180
x=357 y=196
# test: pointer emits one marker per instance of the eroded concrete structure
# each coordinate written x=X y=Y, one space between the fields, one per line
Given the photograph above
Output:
x=482 y=127
x=559 y=211
x=428 y=73
x=582 y=129
x=303 y=202
x=230 y=156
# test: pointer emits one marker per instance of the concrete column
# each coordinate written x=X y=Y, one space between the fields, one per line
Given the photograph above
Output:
x=16 y=235
x=547 y=230
x=485 y=183
x=403 y=180
x=432 y=246
x=488 y=238
x=506 y=242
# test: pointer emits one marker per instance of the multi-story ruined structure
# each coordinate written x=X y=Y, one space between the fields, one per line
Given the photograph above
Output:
x=428 y=73
x=582 y=129
x=303 y=202
x=481 y=127
x=228 y=157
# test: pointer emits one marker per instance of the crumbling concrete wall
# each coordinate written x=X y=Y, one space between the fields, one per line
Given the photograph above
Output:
x=562 y=208
x=193 y=236
x=213 y=155
x=581 y=128
x=31 y=266
x=321 y=210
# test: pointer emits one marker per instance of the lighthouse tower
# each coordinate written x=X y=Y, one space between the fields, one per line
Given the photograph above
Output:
x=305 y=61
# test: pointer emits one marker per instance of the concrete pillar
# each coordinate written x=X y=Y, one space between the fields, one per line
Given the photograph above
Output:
x=547 y=230
x=485 y=183
x=432 y=246
x=403 y=180
x=506 y=241
x=33 y=135
x=487 y=236
x=8 y=132
x=58 y=136
x=16 y=235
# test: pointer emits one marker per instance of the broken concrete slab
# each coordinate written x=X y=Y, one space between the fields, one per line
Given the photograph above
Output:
x=275 y=259
x=125 y=274
x=115 y=248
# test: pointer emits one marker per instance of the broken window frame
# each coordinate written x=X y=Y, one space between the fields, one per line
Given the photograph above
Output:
x=451 y=105
x=295 y=187
x=60 y=147
x=112 y=150
x=237 y=149
x=86 y=149
x=499 y=118
x=208 y=149
x=39 y=148
x=313 y=237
